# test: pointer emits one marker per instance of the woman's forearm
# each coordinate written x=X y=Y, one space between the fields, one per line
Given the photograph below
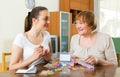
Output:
x=105 y=62
x=22 y=64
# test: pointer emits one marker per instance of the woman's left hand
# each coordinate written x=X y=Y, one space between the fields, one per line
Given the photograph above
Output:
x=91 y=59
x=45 y=52
x=47 y=55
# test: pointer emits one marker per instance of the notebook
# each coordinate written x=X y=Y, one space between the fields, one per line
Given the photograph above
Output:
x=31 y=69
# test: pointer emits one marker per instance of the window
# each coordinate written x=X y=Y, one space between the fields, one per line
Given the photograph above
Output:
x=110 y=17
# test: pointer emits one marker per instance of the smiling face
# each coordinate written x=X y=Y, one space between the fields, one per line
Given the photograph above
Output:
x=85 y=22
x=43 y=20
x=82 y=27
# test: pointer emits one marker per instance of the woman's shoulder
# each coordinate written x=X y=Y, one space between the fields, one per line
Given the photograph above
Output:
x=100 y=34
x=20 y=40
x=45 y=33
x=75 y=36
x=104 y=37
x=20 y=35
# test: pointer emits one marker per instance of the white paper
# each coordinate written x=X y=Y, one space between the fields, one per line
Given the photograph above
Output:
x=64 y=57
x=36 y=62
x=31 y=69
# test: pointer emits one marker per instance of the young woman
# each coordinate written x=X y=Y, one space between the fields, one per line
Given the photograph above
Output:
x=28 y=47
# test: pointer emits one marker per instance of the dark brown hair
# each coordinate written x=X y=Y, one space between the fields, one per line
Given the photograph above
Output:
x=88 y=17
x=33 y=14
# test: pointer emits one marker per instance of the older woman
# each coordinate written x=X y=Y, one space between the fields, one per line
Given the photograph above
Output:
x=89 y=45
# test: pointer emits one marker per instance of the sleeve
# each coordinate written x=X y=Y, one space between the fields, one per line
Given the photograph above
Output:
x=19 y=40
x=47 y=35
x=110 y=53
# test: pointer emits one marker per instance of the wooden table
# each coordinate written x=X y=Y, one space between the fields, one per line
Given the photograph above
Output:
x=107 y=71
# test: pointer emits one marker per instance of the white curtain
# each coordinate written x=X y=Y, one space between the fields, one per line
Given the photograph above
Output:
x=110 y=17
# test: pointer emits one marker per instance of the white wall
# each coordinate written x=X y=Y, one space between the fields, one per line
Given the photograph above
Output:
x=52 y=5
x=12 y=14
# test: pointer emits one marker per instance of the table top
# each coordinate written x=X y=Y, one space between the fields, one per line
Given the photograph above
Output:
x=99 y=71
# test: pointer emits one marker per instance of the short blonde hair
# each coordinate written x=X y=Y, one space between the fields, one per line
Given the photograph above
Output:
x=88 y=17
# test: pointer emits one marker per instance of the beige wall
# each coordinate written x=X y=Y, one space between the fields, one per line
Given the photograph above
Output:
x=12 y=14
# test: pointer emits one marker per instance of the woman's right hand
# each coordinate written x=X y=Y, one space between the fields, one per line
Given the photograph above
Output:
x=91 y=59
x=38 y=52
